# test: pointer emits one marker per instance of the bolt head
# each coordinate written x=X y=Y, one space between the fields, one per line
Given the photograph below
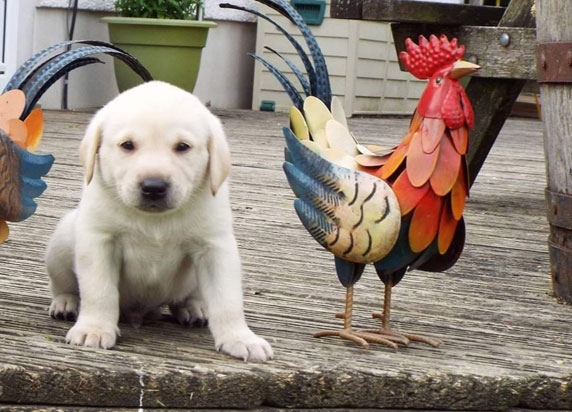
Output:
x=504 y=39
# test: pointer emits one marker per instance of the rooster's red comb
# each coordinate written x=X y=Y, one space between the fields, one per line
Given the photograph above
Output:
x=430 y=55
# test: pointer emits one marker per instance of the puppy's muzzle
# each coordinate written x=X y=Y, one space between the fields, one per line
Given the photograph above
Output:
x=154 y=194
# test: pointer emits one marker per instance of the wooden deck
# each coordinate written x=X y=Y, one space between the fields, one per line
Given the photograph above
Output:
x=508 y=343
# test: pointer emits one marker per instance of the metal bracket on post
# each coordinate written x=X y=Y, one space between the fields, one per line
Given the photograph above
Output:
x=560 y=218
x=554 y=62
x=559 y=209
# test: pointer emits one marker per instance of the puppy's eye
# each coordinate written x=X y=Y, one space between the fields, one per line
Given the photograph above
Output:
x=128 y=146
x=182 y=147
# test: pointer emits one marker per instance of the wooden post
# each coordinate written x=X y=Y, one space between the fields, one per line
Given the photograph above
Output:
x=493 y=99
x=554 y=24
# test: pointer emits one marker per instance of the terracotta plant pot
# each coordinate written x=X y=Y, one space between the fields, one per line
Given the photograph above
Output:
x=169 y=49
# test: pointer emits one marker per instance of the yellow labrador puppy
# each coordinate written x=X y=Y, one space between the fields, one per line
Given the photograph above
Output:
x=154 y=225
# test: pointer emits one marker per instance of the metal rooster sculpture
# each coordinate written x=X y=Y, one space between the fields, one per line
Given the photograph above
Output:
x=21 y=125
x=400 y=208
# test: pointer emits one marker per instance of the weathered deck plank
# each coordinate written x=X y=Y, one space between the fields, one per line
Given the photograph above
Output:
x=16 y=408
x=508 y=343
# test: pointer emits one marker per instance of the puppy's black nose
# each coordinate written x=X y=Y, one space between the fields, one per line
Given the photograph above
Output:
x=154 y=188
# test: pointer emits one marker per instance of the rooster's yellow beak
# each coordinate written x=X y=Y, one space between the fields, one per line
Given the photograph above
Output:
x=462 y=68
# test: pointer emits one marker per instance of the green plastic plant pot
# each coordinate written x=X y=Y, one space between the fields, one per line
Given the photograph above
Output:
x=169 y=49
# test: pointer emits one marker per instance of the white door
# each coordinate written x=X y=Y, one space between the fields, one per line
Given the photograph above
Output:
x=8 y=39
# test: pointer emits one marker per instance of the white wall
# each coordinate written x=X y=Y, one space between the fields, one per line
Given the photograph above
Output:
x=90 y=86
x=25 y=35
x=226 y=72
x=225 y=78
x=100 y=5
x=212 y=11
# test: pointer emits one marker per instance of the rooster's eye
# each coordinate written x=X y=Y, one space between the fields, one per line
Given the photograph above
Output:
x=438 y=80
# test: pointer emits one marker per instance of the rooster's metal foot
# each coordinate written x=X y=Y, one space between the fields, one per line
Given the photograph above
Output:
x=359 y=337
x=387 y=333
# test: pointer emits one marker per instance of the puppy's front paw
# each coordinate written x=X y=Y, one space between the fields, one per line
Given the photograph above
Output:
x=190 y=312
x=245 y=345
x=64 y=307
x=93 y=335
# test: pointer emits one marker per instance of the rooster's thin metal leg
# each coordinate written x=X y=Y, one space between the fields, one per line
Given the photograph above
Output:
x=385 y=329
x=348 y=333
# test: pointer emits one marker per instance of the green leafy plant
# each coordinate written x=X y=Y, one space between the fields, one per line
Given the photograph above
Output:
x=159 y=9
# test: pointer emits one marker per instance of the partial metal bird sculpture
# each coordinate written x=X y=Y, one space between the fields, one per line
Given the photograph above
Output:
x=21 y=125
x=20 y=169
x=400 y=209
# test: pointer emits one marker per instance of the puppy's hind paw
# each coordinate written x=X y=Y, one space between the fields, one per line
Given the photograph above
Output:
x=64 y=307
x=93 y=335
x=246 y=346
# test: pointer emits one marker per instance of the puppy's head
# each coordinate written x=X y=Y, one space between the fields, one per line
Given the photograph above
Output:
x=155 y=146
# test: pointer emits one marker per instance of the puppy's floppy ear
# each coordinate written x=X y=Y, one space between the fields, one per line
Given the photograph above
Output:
x=219 y=154
x=90 y=146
